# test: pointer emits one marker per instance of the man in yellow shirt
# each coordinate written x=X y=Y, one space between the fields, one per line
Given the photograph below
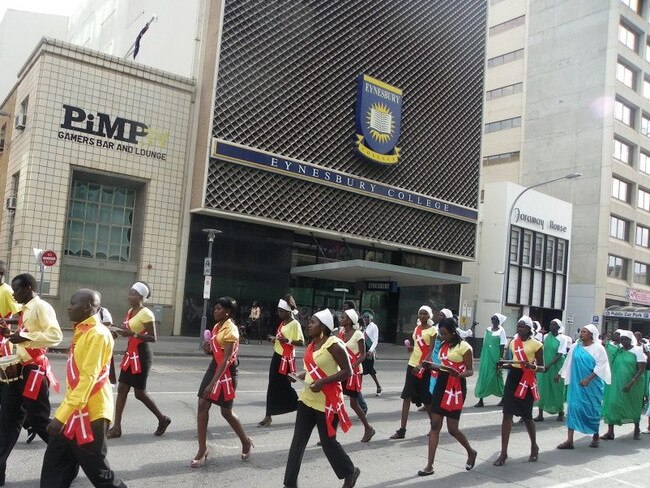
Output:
x=78 y=429
x=28 y=397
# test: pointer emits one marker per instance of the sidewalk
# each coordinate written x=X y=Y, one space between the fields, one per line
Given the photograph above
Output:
x=189 y=346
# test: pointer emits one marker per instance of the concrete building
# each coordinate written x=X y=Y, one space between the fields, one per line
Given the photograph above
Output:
x=568 y=90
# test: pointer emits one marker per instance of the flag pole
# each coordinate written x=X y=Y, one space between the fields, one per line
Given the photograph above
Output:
x=154 y=17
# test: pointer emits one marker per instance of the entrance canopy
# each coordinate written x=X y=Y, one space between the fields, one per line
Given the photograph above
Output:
x=360 y=270
x=627 y=312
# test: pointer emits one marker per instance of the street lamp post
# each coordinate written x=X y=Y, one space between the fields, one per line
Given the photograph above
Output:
x=207 y=280
x=506 y=261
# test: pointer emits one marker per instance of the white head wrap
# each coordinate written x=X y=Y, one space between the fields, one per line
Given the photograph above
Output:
x=446 y=312
x=285 y=306
x=594 y=331
x=527 y=321
x=560 y=325
x=427 y=309
x=141 y=288
x=536 y=325
x=354 y=317
x=630 y=335
x=500 y=317
x=326 y=318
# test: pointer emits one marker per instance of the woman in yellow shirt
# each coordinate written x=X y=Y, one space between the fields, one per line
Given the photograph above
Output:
x=448 y=397
x=520 y=390
x=140 y=327
x=220 y=380
x=280 y=395
x=321 y=402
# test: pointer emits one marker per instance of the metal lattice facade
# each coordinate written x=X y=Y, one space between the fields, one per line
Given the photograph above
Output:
x=287 y=84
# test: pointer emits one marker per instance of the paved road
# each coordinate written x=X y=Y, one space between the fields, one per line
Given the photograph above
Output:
x=147 y=461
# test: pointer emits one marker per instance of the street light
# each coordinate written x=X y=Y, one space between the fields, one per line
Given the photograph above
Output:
x=207 y=280
x=506 y=261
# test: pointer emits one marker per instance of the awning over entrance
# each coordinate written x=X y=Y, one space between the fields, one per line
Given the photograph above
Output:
x=360 y=270
x=627 y=312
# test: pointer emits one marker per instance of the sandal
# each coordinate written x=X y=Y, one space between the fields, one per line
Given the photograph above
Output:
x=162 y=426
x=637 y=436
x=368 y=435
x=399 y=433
x=539 y=418
x=471 y=460
x=534 y=455
x=594 y=443
x=560 y=417
x=501 y=460
x=607 y=437
x=424 y=472
x=379 y=390
x=351 y=480
x=114 y=433
x=565 y=445
x=264 y=422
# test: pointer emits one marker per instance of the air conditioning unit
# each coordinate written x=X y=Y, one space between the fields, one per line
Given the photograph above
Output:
x=20 y=121
x=10 y=204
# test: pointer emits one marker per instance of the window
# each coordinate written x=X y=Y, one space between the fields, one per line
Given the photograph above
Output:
x=505 y=58
x=503 y=125
x=644 y=162
x=645 y=126
x=3 y=136
x=616 y=267
x=539 y=244
x=632 y=5
x=622 y=151
x=528 y=241
x=619 y=228
x=504 y=91
x=643 y=200
x=502 y=158
x=642 y=236
x=507 y=25
x=100 y=221
x=623 y=113
x=646 y=88
x=647 y=51
x=620 y=190
x=641 y=274
x=514 y=246
x=550 y=253
x=625 y=75
x=561 y=253
x=627 y=37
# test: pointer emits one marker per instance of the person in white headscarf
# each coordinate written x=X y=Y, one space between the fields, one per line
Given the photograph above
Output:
x=520 y=390
x=551 y=392
x=623 y=400
x=140 y=327
x=320 y=403
x=585 y=372
x=281 y=398
x=490 y=379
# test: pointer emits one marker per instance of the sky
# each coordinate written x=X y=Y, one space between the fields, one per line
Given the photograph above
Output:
x=60 y=7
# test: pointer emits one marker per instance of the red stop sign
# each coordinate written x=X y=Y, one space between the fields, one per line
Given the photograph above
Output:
x=48 y=258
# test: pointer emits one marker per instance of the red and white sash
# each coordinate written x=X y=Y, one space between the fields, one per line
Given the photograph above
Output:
x=36 y=376
x=452 y=399
x=131 y=360
x=355 y=380
x=77 y=428
x=6 y=347
x=224 y=385
x=424 y=348
x=333 y=395
x=288 y=359
x=528 y=378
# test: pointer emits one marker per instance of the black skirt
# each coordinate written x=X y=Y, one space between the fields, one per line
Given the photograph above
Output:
x=520 y=407
x=207 y=378
x=439 y=393
x=417 y=389
x=139 y=380
x=280 y=395
x=369 y=365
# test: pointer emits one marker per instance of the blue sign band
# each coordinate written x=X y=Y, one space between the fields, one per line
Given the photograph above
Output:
x=254 y=157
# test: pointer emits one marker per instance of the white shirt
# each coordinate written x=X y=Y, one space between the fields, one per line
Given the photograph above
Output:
x=501 y=332
x=372 y=332
x=601 y=369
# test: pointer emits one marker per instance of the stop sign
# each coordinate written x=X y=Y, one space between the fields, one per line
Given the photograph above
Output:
x=48 y=258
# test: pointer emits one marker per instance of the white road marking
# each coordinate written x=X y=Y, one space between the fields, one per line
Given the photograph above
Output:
x=600 y=476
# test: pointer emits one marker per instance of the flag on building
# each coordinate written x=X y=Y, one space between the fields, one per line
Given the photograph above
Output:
x=136 y=48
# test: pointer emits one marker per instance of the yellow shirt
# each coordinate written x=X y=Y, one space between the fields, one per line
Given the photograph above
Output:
x=42 y=328
x=93 y=348
x=144 y=316
x=8 y=306
x=531 y=346
x=292 y=331
x=456 y=353
x=228 y=332
x=428 y=336
x=325 y=361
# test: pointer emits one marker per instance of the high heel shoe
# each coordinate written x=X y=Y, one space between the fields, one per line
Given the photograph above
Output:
x=245 y=456
x=197 y=463
x=534 y=454
x=501 y=460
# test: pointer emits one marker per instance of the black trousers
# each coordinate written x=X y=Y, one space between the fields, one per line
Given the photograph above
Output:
x=63 y=458
x=306 y=419
x=15 y=408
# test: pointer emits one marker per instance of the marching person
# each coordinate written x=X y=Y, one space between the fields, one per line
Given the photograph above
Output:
x=371 y=336
x=280 y=396
x=29 y=397
x=551 y=392
x=490 y=379
x=355 y=345
x=219 y=383
x=624 y=398
x=585 y=372
x=140 y=327
x=454 y=366
x=520 y=391
x=417 y=381
x=255 y=320
x=321 y=402
x=78 y=429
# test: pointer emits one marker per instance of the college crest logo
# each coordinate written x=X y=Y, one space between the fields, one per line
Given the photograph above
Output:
x=378 y=117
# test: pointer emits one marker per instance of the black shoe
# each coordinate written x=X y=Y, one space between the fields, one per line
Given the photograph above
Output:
x=31 y=434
